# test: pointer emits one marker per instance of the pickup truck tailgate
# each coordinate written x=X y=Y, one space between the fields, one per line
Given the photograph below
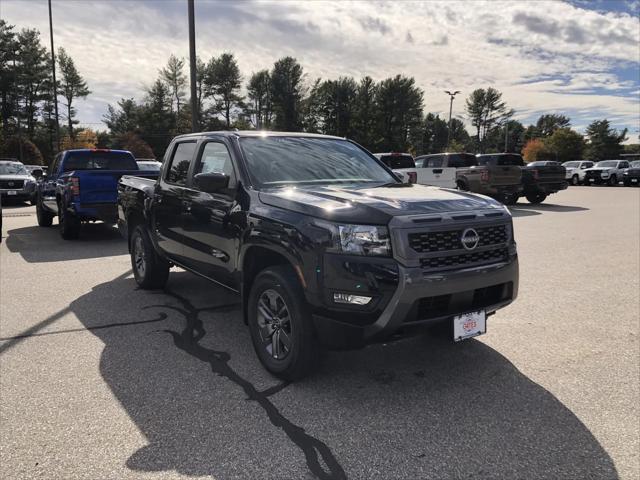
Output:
x=505 y=174
x=551 y=173
x=101 y=186
x=437 y=176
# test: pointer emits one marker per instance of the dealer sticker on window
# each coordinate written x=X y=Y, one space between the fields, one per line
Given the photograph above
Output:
x=469 y=325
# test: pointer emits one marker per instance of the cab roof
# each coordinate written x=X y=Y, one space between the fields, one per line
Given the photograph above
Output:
x=256 y=133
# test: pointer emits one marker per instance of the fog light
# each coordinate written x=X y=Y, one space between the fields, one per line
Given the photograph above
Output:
x=351 y=299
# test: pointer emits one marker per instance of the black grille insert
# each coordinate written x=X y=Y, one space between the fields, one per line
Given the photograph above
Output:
x=442 y=241
x=461 y=302
x=17 y=184
x=465 y=259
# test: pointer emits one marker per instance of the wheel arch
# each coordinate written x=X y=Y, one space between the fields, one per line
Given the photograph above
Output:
x=255 y=258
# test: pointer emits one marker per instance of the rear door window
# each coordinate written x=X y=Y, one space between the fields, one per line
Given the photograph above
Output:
x=99 y=160
x=434 y=162
x=398 y=161
x=179 y=163
x=502 y=160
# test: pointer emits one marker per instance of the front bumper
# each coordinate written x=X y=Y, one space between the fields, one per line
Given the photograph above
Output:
x=25 y=192
x=422 y=299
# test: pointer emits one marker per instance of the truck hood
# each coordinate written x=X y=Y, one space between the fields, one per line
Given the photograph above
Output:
x=374 y=205
x=599 y=169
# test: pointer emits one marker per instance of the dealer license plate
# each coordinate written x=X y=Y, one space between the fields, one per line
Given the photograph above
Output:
x=469 y=325
x=12 y=192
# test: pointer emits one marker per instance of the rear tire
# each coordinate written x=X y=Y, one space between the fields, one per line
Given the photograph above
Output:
x=150 y=270
x=536 y=198
x=45 y=219
x=69 y=223
x=277 y=306
x=462 y=186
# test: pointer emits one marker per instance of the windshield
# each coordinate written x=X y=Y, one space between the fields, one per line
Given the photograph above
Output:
x=537 y=164
x=571 y=164
x=500 y=160
x=13 y=169
x=99 y=160
x=274 y=161
x=607 y=163
x=395 y=161
x=635 y=164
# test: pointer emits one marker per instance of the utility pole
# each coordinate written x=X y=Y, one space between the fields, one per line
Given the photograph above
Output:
x=506 y=136
x=55 y=85
x=452 y=95
x=192 y=67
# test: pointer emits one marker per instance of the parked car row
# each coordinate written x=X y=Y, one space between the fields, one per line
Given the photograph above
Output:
x=503 y=176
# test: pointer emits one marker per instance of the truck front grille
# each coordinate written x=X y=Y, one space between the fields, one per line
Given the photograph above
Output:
x=425 y=242
x=465 y=259
x=16 y=184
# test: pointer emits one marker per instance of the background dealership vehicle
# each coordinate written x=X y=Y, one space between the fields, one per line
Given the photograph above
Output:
x=541 y=179
x=576 y=170
x=15 y=181
x=606 y=171
x=497 y=175
x=631 y=176
x=83 y=186
x=438 y=169
x=150 y=165
x=402 y=165
x=336 y=253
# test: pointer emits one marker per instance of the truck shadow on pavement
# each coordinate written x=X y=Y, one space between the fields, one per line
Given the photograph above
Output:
x=418 y=408
x=39 y=244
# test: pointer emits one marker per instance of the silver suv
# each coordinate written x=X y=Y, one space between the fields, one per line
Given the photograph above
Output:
x=16 y=181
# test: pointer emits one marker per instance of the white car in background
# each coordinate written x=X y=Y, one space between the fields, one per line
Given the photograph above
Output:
x=576 y=170
x=402 y=165
x=606 y=171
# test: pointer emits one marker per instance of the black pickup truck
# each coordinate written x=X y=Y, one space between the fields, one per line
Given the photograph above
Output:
x=324 y=244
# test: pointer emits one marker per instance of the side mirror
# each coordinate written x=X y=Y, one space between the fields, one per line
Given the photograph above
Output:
x=37 y=174
x=211 y=182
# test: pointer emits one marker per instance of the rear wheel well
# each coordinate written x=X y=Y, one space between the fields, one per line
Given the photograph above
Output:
x=255 y=260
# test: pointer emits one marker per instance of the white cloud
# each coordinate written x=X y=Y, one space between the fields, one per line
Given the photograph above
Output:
x=554 y=57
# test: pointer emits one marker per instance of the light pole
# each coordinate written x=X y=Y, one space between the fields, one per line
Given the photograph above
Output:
x=55 y=85
x=452 y=95
x=192 y=67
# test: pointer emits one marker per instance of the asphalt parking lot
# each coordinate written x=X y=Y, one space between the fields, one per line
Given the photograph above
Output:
x=102 y=380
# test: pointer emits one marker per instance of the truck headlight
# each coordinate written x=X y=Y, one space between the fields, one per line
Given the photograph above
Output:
x=371 y=240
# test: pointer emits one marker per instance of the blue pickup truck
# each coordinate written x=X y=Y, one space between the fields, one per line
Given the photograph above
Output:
x=82 y=186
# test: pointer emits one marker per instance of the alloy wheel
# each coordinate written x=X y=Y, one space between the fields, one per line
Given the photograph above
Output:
x=138 y=256
x=274 y=324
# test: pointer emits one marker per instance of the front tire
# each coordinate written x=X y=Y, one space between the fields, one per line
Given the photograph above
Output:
x=45 y=219
x=280 y=324
x=613 y=181
x=69 y=223
x=575 y=180
x=150 y=270
x=536 y=198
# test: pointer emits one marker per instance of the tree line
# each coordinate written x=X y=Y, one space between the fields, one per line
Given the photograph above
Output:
x=386 y=115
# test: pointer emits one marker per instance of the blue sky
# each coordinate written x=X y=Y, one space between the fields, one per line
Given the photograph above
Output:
x=578 y=58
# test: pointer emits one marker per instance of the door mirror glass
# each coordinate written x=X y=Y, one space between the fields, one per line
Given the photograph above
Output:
x=37 y=173
x=211 y=182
